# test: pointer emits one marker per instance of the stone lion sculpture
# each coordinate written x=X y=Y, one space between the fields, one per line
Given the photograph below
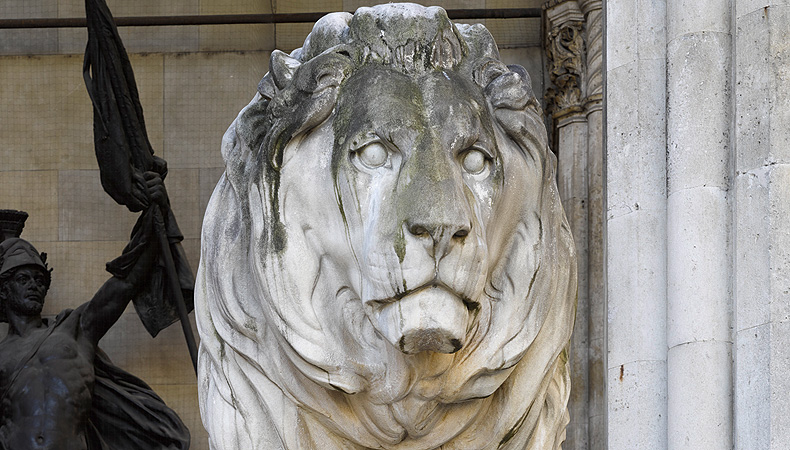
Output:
x=385 y=262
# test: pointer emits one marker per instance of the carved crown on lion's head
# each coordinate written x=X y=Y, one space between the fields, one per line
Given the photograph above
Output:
x=386 y=263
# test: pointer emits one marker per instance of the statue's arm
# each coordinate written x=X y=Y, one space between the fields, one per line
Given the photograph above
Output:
x=109 y=302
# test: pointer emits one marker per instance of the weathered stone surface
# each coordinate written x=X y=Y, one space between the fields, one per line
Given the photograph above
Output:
x=86 y=212
x=386 y=262
x=700 y=374
x=193 y=103
x=698 y=123
x=28 y=41
x=48 y=124
x=236 y=37
x=136 y=39
x=636 y=416
x=698 y=16
x=699 y=307
x=72 y=277
x=35 y=192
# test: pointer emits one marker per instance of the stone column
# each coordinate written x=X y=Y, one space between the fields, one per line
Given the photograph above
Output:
x=762 y=225
x=565 y=51
x=698 y=214
x=636 y=224
x=596 y=320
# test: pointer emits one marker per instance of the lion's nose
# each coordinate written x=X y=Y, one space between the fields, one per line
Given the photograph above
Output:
x=442 y=235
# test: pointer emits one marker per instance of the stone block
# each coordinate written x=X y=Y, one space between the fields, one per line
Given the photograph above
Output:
x=490 y=4
x=46 y=123
x=779 y=17
x=148 y=39
x=746 y=7
x=752 y=92
x=512 y=33
x=290 y=36
x=352 y=5
x=123 y=8
x=28 y=41
x=779 y=242
x=246 y=37
x=87 y=213
x=161 y=360
x=183 y=189
x=637 y=146
x=78 y=270
x=35 y=192
x=203 y=94
x=637 y=404
x=192 y=249
x=209 y=178
x=699 y=391
x=27 y=9
x=305 y=6
x=698 y=105
x=780 y=384
x=651 y=37
x=698 y=266
x=236 y=37
x=136 y=39
x=752 y=388
x=620 y=46
x=636 y=288
x=235 y=7
x=695 y=16
x=752 y=255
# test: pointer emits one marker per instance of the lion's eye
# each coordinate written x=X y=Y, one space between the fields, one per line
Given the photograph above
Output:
x=373 y=155
x=474 y=162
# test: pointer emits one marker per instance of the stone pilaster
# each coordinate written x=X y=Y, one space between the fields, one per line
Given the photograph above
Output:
x=574 y=108
x=596 y=291
x=761 y=208
x=636 y=224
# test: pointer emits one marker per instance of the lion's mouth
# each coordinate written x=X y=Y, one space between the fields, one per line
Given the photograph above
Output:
x=431 y=318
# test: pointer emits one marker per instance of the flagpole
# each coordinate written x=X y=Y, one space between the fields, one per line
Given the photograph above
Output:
x=124 y=152
x=175 y=286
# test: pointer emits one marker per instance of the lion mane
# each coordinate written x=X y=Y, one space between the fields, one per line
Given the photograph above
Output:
x=320 y=228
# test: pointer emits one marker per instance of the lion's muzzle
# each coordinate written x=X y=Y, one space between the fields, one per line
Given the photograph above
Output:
x=430 y=319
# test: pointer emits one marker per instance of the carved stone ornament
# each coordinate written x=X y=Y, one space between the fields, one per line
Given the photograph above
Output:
x=385 y=262
x=565 y=52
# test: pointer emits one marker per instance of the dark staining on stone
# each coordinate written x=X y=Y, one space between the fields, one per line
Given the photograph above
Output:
x=456 y=345
x=400 y=248
x=622 y=372
x=471 y=306
x=512 y=432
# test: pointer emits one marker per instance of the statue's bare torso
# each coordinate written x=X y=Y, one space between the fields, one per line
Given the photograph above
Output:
x=47 y=396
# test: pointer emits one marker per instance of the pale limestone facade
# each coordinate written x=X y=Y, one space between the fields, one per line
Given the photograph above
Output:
x=682 y=338
x=696 y=224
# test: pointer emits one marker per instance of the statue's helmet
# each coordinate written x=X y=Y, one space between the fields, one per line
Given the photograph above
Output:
x=16 y=253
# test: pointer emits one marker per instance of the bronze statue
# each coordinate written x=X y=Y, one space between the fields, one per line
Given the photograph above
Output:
x=59 y=390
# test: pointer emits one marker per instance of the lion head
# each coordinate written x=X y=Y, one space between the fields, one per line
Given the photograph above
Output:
x=385 y=262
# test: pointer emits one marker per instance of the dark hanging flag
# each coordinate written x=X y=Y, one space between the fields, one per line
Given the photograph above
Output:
x=124 y=153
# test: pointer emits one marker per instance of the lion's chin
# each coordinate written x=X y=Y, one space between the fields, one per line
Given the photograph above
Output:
x=431 y=319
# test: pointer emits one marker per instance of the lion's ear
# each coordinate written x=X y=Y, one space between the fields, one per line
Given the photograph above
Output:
x=282 y=68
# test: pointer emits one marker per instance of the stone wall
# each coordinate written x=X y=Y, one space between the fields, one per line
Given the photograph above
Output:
x=697 y=230
x=193 y=80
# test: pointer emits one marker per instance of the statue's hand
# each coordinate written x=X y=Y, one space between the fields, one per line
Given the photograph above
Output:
x=155 y=188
